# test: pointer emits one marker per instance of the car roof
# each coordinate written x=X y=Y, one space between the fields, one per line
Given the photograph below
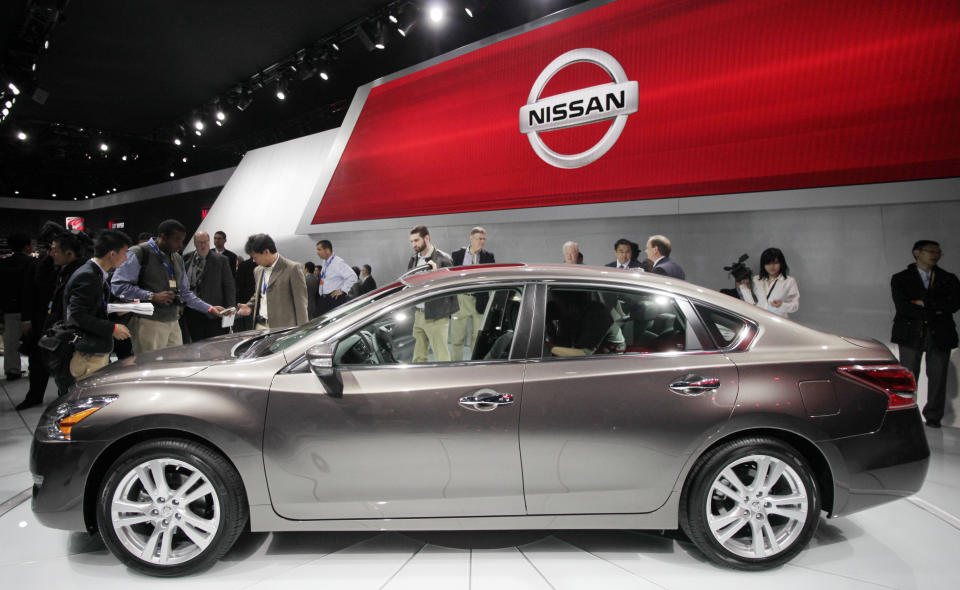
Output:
x=466 y=275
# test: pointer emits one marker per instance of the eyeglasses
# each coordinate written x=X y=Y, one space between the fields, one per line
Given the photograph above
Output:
x=932 y=250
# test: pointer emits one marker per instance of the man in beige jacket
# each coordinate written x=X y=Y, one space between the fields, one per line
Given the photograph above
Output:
x=280 y=299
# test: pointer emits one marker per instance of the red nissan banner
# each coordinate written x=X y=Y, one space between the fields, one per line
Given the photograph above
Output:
x=643 y=99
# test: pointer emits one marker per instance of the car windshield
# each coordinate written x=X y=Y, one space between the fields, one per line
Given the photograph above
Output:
x=280 y=340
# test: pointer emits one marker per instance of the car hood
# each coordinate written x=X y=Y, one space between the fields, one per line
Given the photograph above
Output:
x=177 y=362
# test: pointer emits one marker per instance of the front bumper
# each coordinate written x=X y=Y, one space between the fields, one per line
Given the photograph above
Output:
x=64 y=469
x=883 y=466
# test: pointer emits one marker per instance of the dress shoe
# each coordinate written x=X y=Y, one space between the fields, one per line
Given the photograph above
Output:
x=27 y=404
x=933 y=423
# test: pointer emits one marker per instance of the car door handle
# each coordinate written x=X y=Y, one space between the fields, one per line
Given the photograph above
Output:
x=694 y=384
x=486 y=400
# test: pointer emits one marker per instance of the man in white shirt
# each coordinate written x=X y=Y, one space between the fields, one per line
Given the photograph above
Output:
x=336 y=278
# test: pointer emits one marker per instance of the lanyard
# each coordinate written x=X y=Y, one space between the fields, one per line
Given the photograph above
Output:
x=326 y=263
x=263 y=282
x=160 y=256
x=771 y=287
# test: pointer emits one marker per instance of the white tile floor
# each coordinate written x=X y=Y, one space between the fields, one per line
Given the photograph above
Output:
x=910 y=543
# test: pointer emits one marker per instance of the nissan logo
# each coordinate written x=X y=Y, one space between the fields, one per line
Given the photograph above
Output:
x=616 y=100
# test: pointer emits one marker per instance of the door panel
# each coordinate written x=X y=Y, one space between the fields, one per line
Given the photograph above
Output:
x=397 y=444
x=607 y=435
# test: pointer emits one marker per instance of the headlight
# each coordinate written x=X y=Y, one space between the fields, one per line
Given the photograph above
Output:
x=57 y=422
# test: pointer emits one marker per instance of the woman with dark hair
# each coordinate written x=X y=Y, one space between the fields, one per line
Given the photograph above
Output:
x=773 y=289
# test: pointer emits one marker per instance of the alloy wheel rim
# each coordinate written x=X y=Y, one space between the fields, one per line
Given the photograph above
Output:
x=165 y=511
x=757 y=507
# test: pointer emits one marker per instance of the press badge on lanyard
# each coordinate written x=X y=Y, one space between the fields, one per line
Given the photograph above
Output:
x=172 y=282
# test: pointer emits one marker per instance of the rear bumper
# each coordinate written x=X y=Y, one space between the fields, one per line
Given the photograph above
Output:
x=883 y=466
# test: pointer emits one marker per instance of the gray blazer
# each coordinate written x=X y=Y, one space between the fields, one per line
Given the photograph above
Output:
x=286 y=294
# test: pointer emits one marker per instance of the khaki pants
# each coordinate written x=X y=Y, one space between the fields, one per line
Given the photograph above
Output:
x=432 y=333
x=149 y=335
x=458 y=326
x=82 y=364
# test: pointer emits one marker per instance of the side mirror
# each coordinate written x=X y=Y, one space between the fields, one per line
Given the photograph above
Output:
x=320 y=359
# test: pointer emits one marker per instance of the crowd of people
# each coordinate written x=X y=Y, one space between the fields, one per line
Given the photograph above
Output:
x=55 y=306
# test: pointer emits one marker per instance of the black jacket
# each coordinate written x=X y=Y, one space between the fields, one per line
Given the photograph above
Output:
x=442 y=306
x=485 y=257
x=216 y=285
x=85 y=300
x=669 y=268
x=232 y=259
x=367 y=285
x=14 y=272
x=940 y=302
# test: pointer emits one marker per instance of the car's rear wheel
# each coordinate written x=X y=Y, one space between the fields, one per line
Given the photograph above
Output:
x=170 y=507
x=751 y=504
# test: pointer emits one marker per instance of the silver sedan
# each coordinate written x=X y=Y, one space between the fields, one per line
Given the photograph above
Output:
x=492 y=397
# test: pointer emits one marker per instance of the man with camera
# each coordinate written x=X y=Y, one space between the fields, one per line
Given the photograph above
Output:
x=155 y=272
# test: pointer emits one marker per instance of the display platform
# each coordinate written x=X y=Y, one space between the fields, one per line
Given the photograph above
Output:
x=910 y=543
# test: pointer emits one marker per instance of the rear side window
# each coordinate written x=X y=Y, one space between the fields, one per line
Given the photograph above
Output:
x=726 y=329
x=589 y=321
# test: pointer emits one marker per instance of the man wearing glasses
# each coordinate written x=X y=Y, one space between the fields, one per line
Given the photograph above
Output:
x=926 y=297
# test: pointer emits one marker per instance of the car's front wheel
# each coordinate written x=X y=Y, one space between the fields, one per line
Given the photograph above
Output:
x=170 y=507
x=751 y=504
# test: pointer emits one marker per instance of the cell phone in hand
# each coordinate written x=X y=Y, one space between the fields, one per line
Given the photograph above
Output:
x=228 y=311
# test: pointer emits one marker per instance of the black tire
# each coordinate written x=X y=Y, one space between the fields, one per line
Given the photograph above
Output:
x=223 y=509
x=739 y=551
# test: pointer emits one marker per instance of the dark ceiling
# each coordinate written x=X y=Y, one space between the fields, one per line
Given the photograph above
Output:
x=126 y=74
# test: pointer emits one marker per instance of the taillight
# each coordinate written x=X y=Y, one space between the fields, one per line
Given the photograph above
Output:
x=896 y=381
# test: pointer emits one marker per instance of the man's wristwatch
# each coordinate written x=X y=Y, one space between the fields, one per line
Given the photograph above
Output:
x=150 y=297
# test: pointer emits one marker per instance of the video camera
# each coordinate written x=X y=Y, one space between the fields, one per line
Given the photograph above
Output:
x=740 y=272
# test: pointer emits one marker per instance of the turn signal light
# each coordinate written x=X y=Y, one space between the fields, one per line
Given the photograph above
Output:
x=894 y=380
x=66 y=424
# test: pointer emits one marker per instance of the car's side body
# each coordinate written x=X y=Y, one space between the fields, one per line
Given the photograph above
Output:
x=577 y=450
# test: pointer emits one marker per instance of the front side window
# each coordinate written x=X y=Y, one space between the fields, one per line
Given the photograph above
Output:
x=475 y=325
x=589 y=321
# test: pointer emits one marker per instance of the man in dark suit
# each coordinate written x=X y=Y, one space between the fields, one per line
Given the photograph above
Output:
x=313 y=288
x=85 y=300
x=623 y=250
x=280 y=298
x=211 y=279
x=431 y=323
x=367 y=283
x=926 y=297
x=220 y=243
x=658 y=250
x=472 y=307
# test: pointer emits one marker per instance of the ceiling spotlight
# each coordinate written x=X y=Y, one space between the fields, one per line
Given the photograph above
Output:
x=436 y=12
x=324 y=76
x=46 y=44
x=5 y=111
x=13 y=88
x=335 y=46
x=220 y=115
x=177 y=141
x=54 y=195
x=21 y=136
x=380 y=36
x=219 y=123
x=281 y=89
x=471 y=7
x=16 y=192
x=406 y=21
x=172 y=174
x=244 y=100
x=33 y=68
x=198 y=132
x=198 y=125
x=393 y=19
x=8 y=104
x=104 y=147
x=184 y=160
x=124 y=158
